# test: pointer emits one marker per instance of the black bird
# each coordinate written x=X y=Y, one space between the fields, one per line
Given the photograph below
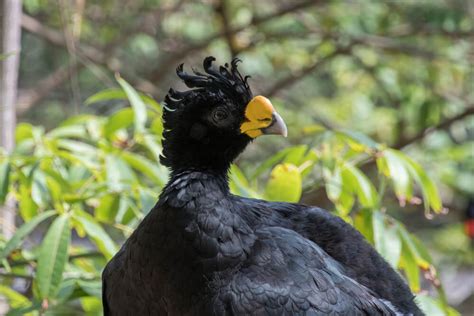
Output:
x=203 y=251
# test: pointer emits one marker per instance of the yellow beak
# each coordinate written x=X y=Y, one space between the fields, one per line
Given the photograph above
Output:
x=261 y=118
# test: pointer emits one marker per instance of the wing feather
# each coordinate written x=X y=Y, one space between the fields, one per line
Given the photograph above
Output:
x=286 y=274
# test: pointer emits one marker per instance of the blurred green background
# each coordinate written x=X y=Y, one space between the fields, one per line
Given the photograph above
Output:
x=378 y=97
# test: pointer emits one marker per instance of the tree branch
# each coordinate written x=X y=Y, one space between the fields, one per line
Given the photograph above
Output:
x=10 y=46
x=57 y=38
x=85 y=52
x=16 y=275
x=444 y=125
x=302 y=73
x=172 y=59
x=222 y=10
x=29 y=97
x=85 y=255
x=407 y=31
x=389 y=44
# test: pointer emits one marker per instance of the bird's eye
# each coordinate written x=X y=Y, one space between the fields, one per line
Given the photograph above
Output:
x=219 y=115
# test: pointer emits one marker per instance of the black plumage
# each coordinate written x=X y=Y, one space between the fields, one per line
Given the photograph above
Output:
x=203 y=251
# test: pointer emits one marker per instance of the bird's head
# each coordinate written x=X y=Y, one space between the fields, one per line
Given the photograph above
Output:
x=209 y=125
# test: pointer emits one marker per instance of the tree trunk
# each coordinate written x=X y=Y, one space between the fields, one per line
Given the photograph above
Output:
x=10 y=32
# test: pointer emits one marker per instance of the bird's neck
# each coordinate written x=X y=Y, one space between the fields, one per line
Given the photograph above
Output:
x=182 y=152
x=198 y=213
x=218 y=176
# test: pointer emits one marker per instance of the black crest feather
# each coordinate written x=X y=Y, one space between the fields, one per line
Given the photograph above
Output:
x=225 y=80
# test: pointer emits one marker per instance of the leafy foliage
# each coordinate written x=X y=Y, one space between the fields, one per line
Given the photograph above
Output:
x=83 y=186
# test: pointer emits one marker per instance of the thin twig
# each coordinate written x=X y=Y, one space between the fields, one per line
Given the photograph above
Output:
x=16 y=275
x=392 y=45
x=30 y=24
x=28 y=98
x=294 y=77
x=222 y=10
x=444 y=125
x=71 y=40
x=84 y=255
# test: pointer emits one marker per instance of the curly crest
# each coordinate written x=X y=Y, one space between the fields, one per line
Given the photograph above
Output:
x=226 y=80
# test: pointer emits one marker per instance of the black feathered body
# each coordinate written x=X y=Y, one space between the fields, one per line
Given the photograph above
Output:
x=203 y=251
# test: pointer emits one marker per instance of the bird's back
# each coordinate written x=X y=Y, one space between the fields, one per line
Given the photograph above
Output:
x=286 y=274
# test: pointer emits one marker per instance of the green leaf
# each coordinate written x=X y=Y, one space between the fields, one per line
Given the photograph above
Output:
x=66 y=290
x=56 y=191
x=119 y=175
x=75 y=159
x=92 y=306
x=285 y=184
x=15 y=299
x=93 y=288
x=22 y=232
x=308 y=163
x=53 y=256
x=27 y=205
x=106 y=95
x=313 y=129
x=333 y=183
x=72 y=131
x=237 y=173
x=398 y=174
x=411 y=246
x=363 y=223
x=103 y=241
x=157 y=126
x=23 y=131
x=358 y=182
x=409 y=265
x=77 y=147
x=431 y=306
x=145 y=166
x=124 y=212
x=386 y=239
x=421 y=249
x=119 y=94
x=270 y=162
x=152 y=104
x=39 y=189
x=338 y=190
x=430 y=192
x=108 y=208
x=428 y=187
x=119 y=120
x=5 y=169
x=414 y=257
x=361 y=138
x=295 y=155
x=57 y=170
x=139 y=107
x=152 y=144
x=147 y=199
x=26 y=310
x=345 y=203
x=239 y=184
x=79 y=119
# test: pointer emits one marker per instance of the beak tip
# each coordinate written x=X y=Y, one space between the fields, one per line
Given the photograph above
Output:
x=278 y=127
x=284 y=131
